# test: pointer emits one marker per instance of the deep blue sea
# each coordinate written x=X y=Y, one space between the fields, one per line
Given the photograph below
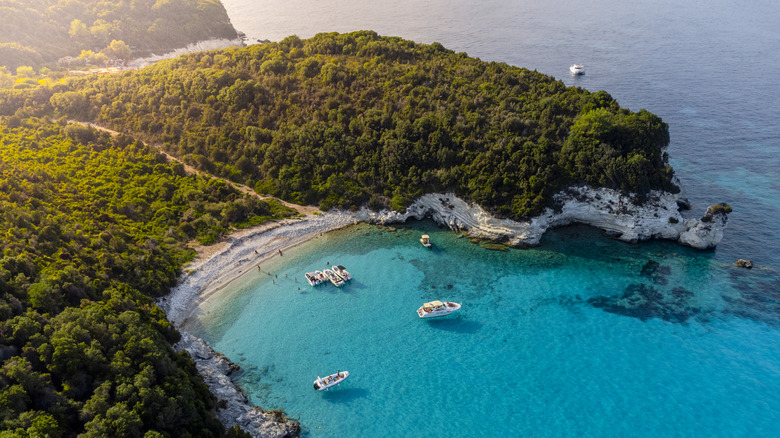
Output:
x=582 y=336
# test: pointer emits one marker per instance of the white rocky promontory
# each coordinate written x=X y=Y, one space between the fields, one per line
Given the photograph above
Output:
x=657 y=218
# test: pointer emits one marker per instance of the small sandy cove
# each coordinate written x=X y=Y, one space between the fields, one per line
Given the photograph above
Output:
x=218 y=265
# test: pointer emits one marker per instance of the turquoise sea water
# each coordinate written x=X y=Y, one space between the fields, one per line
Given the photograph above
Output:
x=583 y=336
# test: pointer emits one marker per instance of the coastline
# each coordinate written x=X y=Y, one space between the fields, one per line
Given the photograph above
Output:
x=219 y=265
x=209 y=273
x=198 y=46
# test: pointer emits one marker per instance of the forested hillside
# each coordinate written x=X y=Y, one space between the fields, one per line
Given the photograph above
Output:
x=33 y=32
x=93 y=228
x=343 y=120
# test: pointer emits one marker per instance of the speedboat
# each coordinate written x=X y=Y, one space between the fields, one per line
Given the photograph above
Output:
x=315 y=278
x=577 y=69
x=334 y=278
x=341 y=272
x=426 y=240
x=437 y=308
x=324 y=383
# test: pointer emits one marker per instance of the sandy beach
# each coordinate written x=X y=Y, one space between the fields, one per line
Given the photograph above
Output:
x=214 y=268
x=218 y=265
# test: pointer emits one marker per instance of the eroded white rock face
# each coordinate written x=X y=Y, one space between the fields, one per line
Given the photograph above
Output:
x=657 y=218
x=704 y=234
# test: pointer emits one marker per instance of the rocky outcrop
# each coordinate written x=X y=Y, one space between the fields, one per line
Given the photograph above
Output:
x=233 y=407
x=744 y=263
x=657 y=218
x=707 y=232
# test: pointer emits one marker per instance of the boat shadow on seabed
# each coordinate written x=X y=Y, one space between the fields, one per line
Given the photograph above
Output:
x=455 y=325
x=344 y=395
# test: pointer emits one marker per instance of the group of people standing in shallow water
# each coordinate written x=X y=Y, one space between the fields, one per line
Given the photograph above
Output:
x=295 y=279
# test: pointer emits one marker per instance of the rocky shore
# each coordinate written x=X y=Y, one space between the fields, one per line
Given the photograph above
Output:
x=657 y=218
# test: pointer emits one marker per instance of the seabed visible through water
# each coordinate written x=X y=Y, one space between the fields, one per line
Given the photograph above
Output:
x=582 y=336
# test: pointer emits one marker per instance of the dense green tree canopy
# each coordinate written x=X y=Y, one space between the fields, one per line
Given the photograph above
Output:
x=38 y=31
x=344 y=120
x=94 y=227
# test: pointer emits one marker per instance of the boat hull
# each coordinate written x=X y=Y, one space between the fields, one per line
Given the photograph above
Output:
x=448 y=308
x=323 y=384
x=315 y=278
x=334 y=278
x=341 y=272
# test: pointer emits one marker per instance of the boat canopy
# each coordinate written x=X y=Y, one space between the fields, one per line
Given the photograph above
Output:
x=425 y=236
x=436 y=303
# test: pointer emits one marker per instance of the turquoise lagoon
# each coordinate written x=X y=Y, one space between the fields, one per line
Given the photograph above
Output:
x=582 y=336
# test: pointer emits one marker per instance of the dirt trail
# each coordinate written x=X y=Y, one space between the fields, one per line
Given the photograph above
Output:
x=301 y=209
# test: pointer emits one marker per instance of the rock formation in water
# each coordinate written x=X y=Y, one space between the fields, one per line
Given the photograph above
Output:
x=657 y=218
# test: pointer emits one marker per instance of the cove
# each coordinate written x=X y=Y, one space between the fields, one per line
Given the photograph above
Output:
x=580 y=336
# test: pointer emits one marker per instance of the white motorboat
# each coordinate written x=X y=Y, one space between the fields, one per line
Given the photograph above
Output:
x=437 y=308
x=325 y=383
x=315 y=278
x=577 y=69
x=426 y=240
x=341 y=272
x=334 y=278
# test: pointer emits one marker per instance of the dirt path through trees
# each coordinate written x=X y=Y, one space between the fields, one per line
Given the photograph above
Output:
x=301 y=209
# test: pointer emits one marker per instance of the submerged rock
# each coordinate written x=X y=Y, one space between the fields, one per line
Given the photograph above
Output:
x=646 y=302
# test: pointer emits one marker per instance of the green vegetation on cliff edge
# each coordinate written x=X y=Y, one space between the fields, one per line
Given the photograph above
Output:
x=344 y=120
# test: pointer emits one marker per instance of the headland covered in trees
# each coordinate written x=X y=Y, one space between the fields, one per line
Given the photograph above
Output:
x=345 y=120
x=39 y=32
x=379 y=126
x=351 y=120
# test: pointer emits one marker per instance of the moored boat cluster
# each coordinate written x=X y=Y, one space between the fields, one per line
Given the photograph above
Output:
x=337 y=275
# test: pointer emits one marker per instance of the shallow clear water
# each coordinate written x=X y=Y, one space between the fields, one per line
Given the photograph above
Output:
x=533 y=351
x=583 y=336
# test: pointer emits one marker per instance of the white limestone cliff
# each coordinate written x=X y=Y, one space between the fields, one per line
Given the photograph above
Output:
x=657 y=218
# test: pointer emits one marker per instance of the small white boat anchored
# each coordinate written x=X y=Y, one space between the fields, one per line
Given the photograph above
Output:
x=577 y=69
x=334 y=278
x=315 y=278
x=426 y=240
x=437 y=308
x=325 y=383
x=341 y=272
